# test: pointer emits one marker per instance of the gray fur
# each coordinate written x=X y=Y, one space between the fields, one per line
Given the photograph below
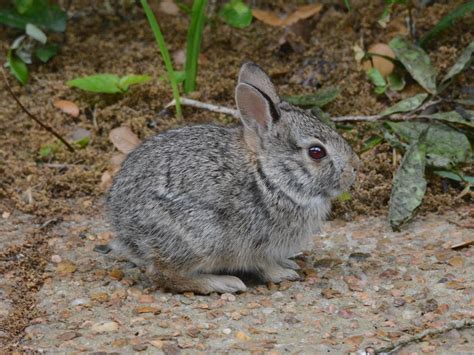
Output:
x=196 y=201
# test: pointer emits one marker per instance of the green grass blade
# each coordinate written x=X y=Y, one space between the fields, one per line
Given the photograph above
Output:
x=447 y=21
x=194 y=44
x=164 y=54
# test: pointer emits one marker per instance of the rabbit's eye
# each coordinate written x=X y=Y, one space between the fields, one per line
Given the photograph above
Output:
x=317 y=152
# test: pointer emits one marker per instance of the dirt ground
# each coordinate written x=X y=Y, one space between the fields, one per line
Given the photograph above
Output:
x=56 y=291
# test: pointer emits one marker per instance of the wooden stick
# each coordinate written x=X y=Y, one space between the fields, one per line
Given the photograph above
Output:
x=33 y=117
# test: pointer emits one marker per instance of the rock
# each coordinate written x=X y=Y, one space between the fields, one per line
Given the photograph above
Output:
x=228 y=297
x=56 y=259
x=120 y=343
x=68 y=336
x=399 y=302
x=107 y=326
x=226 y=331
x=100 y=297
x=267 y=311
x=146 y=299
x=140 y=347
x=79 y=302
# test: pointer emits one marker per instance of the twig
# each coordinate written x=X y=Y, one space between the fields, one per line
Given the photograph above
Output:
x=393 y=347
x=33 y=117
x=206 y=106
x=235 y=113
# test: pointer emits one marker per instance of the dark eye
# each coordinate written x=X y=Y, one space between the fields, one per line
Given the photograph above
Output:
x=317 y=152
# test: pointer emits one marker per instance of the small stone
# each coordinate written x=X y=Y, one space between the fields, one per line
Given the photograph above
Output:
x=226 y=331
x=228 y=297
x=399 y=302
x=140 y=347
x=68 y=336
x=285 y=285
x=291 y=319
x=6 y=215
x=189 y=295
x=193 y=332
x=242 y=336
x=120 y=343
x=79 y=302
x=147 y=309
x=56 y=259
x=146 y=299
x=267 y=311
x=157 y=343
x=105 y=327
x=116 y=274
x=442 y=308
x=66 y=268
x=102 y=248
x=236 y=316
x=100 y=297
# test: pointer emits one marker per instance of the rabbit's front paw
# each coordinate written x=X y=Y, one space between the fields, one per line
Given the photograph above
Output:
x=276 y=274
x=222 y=283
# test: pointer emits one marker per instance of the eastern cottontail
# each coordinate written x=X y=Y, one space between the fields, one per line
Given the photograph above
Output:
x=196 y=203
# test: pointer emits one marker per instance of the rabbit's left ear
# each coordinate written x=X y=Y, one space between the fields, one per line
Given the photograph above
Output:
x=250 y=73
x=256 y=109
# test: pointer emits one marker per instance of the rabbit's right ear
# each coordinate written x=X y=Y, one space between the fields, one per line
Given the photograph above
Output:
x=256 y=109
x=250 y=73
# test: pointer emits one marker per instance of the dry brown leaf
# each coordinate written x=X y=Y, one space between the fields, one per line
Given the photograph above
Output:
x=456 y=285
x=116 y=274
x=67 y=107
x=146 y=309
x=456 y=261
x=272 y=19
x=66 y=268
x=124 y=139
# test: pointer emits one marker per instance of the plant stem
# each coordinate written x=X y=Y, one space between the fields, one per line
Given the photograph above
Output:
x=33 y=117
x=164 y=54
x=194 y=44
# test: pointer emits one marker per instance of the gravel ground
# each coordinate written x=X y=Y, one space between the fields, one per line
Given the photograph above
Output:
x=364 y=288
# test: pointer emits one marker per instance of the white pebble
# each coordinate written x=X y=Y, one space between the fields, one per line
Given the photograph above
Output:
x=226 y=331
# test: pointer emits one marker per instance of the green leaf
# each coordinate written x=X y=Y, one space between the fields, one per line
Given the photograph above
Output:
x=447 y=21
x=48 y=151
x=100 y=83
x=193 y=44
x=35 y=33
x=236 y=14
x=40 y=13
x=396 y=82
x=345 y=196
x=17 y=68
x=348 y=5
x=445 y=146
x=23 y=6
x=409 y=185
x=416 y=62
x=323 y=116
x=128 y=80
x=376 y=77
x=455 y=176
x=405 y=105
x=462 y=63
x=180 y=76
x=379 y=90
x=83 y=142
x=371 y=142
x=451 y=116
x=45 y=53
x=320 y=98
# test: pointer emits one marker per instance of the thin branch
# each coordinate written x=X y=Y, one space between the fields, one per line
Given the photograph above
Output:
x=458 y=324
x=33 y=117
x=206 y=106
x=373 y=118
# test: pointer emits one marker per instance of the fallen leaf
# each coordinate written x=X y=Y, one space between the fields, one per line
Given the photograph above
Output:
x=65 y=268
x=68 y=107
x=355 y=340
x=462 y=62
x=242 y=336
x=456 y=261
x=455 y=285
x=100 y=297
x=405 y=105
x=147 y=309
x=124 y=139
x=116 y=274
x=272 y=19
x=462 y=244
x=330 y=293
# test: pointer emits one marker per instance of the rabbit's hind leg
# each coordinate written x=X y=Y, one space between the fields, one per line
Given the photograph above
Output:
x=196 y=282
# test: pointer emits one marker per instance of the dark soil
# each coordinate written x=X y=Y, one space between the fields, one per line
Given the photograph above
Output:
x=121 y=42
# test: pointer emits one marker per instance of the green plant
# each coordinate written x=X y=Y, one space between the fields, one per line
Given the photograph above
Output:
x=34 y=17
x=164 y=54
x=437 y=142
x=236 y=14
x=193 y=44
x=108 y=83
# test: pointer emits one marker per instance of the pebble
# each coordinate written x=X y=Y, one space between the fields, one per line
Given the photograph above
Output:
x=56 y=259
x=278 y=295
x=109 y=326
x=267 y=310
x=79 y=302
x=226 y=331
x=102 y=249
x=228 y=297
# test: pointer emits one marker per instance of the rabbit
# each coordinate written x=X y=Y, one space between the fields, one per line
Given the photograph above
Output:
x=196 y=204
